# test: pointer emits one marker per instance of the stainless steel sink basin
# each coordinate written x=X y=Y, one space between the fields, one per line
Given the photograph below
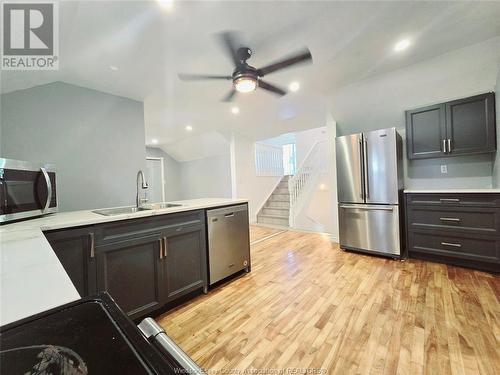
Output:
x=120 y=210
x=162 y=205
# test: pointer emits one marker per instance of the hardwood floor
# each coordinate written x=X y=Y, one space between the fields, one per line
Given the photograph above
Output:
x=306 y=304
x=260 y=232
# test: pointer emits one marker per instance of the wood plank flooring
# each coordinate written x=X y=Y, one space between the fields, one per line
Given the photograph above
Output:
x=307 y=304
x=260 y=232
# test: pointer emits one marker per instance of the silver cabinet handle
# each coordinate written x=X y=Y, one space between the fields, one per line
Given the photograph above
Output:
x=444 y=146
x=161 y=248
x=367 y=208
x=361 y=170
x=49 y=188
x=454 y=219
x=449 y=199
x=165 y=247
x=365 y=168
x=92 y=244
x=229 y=215
x=449 y=144
x=451 y=244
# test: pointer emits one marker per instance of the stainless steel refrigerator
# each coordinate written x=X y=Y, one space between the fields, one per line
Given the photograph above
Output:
x=369 y=184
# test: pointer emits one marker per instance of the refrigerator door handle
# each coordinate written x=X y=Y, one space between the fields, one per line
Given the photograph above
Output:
x=361 y=170
x=365 y=168
x=371 y=208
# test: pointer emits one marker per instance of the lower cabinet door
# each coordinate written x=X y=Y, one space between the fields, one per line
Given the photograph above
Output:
x=132 y=273
x=73 y=247
x=185 y=260
x=464 y=249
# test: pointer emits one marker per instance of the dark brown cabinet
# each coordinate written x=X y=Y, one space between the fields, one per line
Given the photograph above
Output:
x=426 y=132
x=460 y=229
x=460 y=127
x=185 y=260
x=131 y=271
x=142 y=263
x=74 y=248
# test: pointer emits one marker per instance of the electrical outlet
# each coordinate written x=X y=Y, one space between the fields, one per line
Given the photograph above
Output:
x=444 y=169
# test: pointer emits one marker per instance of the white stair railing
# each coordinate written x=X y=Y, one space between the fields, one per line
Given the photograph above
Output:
x=268 y=160
x=308 y=172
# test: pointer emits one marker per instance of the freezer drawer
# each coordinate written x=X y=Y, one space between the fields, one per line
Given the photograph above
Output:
x=228 y=241
x=370 y=227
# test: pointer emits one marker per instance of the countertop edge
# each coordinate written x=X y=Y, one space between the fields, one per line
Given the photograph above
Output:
x=451 y=191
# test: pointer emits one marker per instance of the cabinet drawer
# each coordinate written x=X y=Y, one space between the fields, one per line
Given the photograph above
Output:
x=464 y=219
x=469 y=247
x=124 y=229
x=458 y=200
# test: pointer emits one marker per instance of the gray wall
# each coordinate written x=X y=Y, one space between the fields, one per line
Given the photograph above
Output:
x=381 y=101
x=172 y=173
x=95 y=139
x=201 y=178
x=206 y=178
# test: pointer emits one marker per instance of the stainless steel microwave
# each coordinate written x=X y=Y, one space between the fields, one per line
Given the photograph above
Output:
x=26 y=189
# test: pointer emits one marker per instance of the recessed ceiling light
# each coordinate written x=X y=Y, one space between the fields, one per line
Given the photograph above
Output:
x=113 y=68
x=154 y=141
x=189 y=128
x=166 y=4
x=294 y=86
x=235 y=110
x=401 y=45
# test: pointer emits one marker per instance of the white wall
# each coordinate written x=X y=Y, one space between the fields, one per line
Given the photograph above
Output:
x=95 y=139
x=380 y=102
x=306 y=139
x=319 y=206
x=245 y=182
x=171 y=173
x=206 y=178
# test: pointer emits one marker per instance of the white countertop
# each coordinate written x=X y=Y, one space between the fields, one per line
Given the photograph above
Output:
x=31 y=277
x=457 y=191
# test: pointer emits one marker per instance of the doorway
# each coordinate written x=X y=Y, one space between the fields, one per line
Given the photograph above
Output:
x=155 y=179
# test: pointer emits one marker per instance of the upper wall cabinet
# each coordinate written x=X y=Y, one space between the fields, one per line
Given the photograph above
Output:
x=460 y=127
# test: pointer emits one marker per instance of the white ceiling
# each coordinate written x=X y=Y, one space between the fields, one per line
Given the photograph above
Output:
x=349 y=41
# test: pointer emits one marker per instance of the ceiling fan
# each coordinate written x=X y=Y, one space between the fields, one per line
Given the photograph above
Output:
x=245 y=77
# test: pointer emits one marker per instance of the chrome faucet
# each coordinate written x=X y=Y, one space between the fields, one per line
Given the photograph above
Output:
x=144 y=185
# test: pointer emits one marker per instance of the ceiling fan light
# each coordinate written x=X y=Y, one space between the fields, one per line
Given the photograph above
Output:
x=245 y=84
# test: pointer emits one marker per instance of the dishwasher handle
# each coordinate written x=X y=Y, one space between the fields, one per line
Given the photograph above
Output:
x=153 y=331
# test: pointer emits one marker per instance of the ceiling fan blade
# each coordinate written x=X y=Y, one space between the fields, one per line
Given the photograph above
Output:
x=230 y=96
x=274 y=89
x=229 y=43
x=199 y=77
x=301 y=57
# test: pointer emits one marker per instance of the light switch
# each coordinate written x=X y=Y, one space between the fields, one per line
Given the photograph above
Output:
x=444 y=169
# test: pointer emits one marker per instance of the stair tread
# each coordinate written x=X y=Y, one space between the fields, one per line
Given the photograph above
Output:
x=273 y=216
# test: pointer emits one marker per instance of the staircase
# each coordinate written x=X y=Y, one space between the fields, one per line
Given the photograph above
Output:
x=276 y=210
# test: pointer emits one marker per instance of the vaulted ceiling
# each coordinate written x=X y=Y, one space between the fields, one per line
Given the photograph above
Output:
x=149 y=45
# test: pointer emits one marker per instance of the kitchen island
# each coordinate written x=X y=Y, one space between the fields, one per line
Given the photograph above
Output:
x=32 y=279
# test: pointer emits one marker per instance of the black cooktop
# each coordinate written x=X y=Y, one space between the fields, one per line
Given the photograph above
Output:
x=90 y=336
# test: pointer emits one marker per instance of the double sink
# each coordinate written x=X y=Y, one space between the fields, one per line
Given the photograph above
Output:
x=133 y=209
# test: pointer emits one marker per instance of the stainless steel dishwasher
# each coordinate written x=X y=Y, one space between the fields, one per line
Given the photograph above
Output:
x=228 y=241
